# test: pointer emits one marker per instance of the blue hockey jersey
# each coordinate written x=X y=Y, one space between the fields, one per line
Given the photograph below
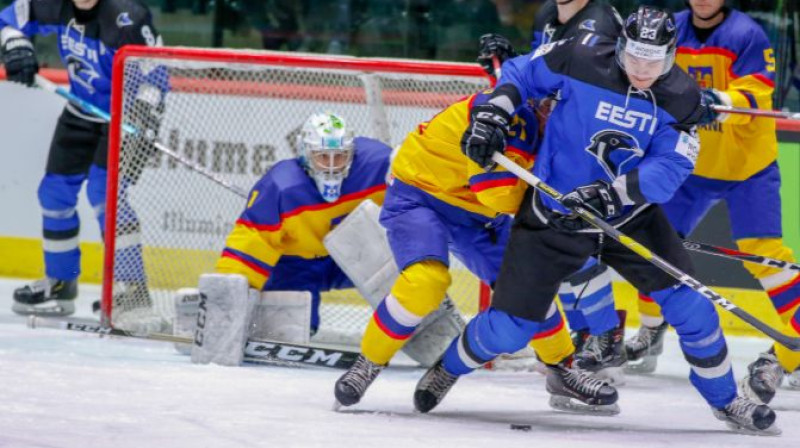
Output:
x=88 y=40
x=602 y=128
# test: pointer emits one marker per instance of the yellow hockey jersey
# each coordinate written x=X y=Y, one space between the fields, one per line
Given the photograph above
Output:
x=430 y=159
x=738 y=60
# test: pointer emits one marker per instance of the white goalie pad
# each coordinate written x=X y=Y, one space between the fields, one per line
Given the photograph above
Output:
x=223 y=321
x=283 y=316
x=434 y=334
x=360 y=247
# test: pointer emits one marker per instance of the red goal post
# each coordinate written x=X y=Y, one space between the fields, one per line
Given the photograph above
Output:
x=233 y=114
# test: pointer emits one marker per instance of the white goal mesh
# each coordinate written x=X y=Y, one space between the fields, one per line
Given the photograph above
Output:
x=234 y=114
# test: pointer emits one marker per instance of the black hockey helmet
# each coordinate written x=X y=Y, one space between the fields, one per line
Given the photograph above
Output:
x=650 y=34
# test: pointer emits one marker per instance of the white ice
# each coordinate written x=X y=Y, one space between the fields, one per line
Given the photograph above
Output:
x=60 y=389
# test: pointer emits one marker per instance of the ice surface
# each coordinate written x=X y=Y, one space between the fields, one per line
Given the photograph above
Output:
x=60 y=389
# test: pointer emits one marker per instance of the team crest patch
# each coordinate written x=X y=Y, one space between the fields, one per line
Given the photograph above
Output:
x=616 y=151
x=588 y=25
x=124 y=20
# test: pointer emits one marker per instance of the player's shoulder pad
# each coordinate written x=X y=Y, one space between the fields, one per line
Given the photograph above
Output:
x=370 y=152
x=283 y=175
x=744 y=31
x=126 y=22
x=583 y=57
x=42 y=11
x=679 y=95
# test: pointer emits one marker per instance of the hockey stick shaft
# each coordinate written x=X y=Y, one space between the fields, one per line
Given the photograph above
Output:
x=740 y=256
x=255 y=351
x=792 y=343
x=757 y=112
x=50 y=86
x=498 y=71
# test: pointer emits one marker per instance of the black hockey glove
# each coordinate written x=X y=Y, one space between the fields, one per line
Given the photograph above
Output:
x=494 y=45
x=598 y=197
x=708 y=99
x=19 y=57
x=486 y=134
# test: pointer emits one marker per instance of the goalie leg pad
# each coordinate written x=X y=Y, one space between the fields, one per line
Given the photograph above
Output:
x=434 y=334
x=283 y=316
x=223 y=322
x=360 y=247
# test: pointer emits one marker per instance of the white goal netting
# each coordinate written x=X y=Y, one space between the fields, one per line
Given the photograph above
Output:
x=233 y=115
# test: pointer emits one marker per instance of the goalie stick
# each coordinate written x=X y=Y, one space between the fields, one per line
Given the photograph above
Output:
x=792 y=343
x=255 y=351
x=49 y=86
x=732 y=254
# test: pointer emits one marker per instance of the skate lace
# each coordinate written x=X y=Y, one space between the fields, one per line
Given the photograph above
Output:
x=741 y=409
x=440 y=382
x=41 y=285
x=768 y=369
x=596 y=345
x=582 y=381
x=644 y=338
x=362 y=374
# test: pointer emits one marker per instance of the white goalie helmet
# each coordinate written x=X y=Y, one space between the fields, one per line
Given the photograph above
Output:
x=326 y=152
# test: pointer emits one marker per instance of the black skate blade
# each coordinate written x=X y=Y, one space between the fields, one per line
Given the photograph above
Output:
x=567 y=404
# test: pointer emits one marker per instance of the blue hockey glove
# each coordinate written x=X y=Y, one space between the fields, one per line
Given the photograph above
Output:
x=486 y=134
x=599 y=197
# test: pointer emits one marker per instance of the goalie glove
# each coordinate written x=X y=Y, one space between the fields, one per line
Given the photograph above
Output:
x=19 y=58
x=599 y=197
x=494 y=45
x=486 y=134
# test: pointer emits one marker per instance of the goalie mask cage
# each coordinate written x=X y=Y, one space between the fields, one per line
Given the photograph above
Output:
x=234 y=114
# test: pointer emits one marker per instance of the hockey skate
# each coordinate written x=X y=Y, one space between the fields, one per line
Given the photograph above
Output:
x=645 y=348
x=351 y=386
x=576 y=390
x=46 y=297
x=747 y=417
x=432 y=387
x=764 y=376
x=604 y=356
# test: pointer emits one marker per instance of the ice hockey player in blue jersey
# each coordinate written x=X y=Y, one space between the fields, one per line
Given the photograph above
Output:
x=89 y=34
x=586 y=297
x=621 y=140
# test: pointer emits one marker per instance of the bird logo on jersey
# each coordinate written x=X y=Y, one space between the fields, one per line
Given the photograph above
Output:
x=615 y=151
x=588 y=25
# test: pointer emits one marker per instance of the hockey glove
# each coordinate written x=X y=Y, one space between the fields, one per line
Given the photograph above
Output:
x=708 y=99
x=494 y=45
x=19 y=57
x=598 y=197
x=486 y=134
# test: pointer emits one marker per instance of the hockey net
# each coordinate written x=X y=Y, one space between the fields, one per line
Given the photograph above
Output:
x=233 y=114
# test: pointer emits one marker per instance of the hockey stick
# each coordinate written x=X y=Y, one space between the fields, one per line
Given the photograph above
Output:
x=792 y=343
x=757 y=112
x=255 y=351
x=49 y=86
x=732 y=254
